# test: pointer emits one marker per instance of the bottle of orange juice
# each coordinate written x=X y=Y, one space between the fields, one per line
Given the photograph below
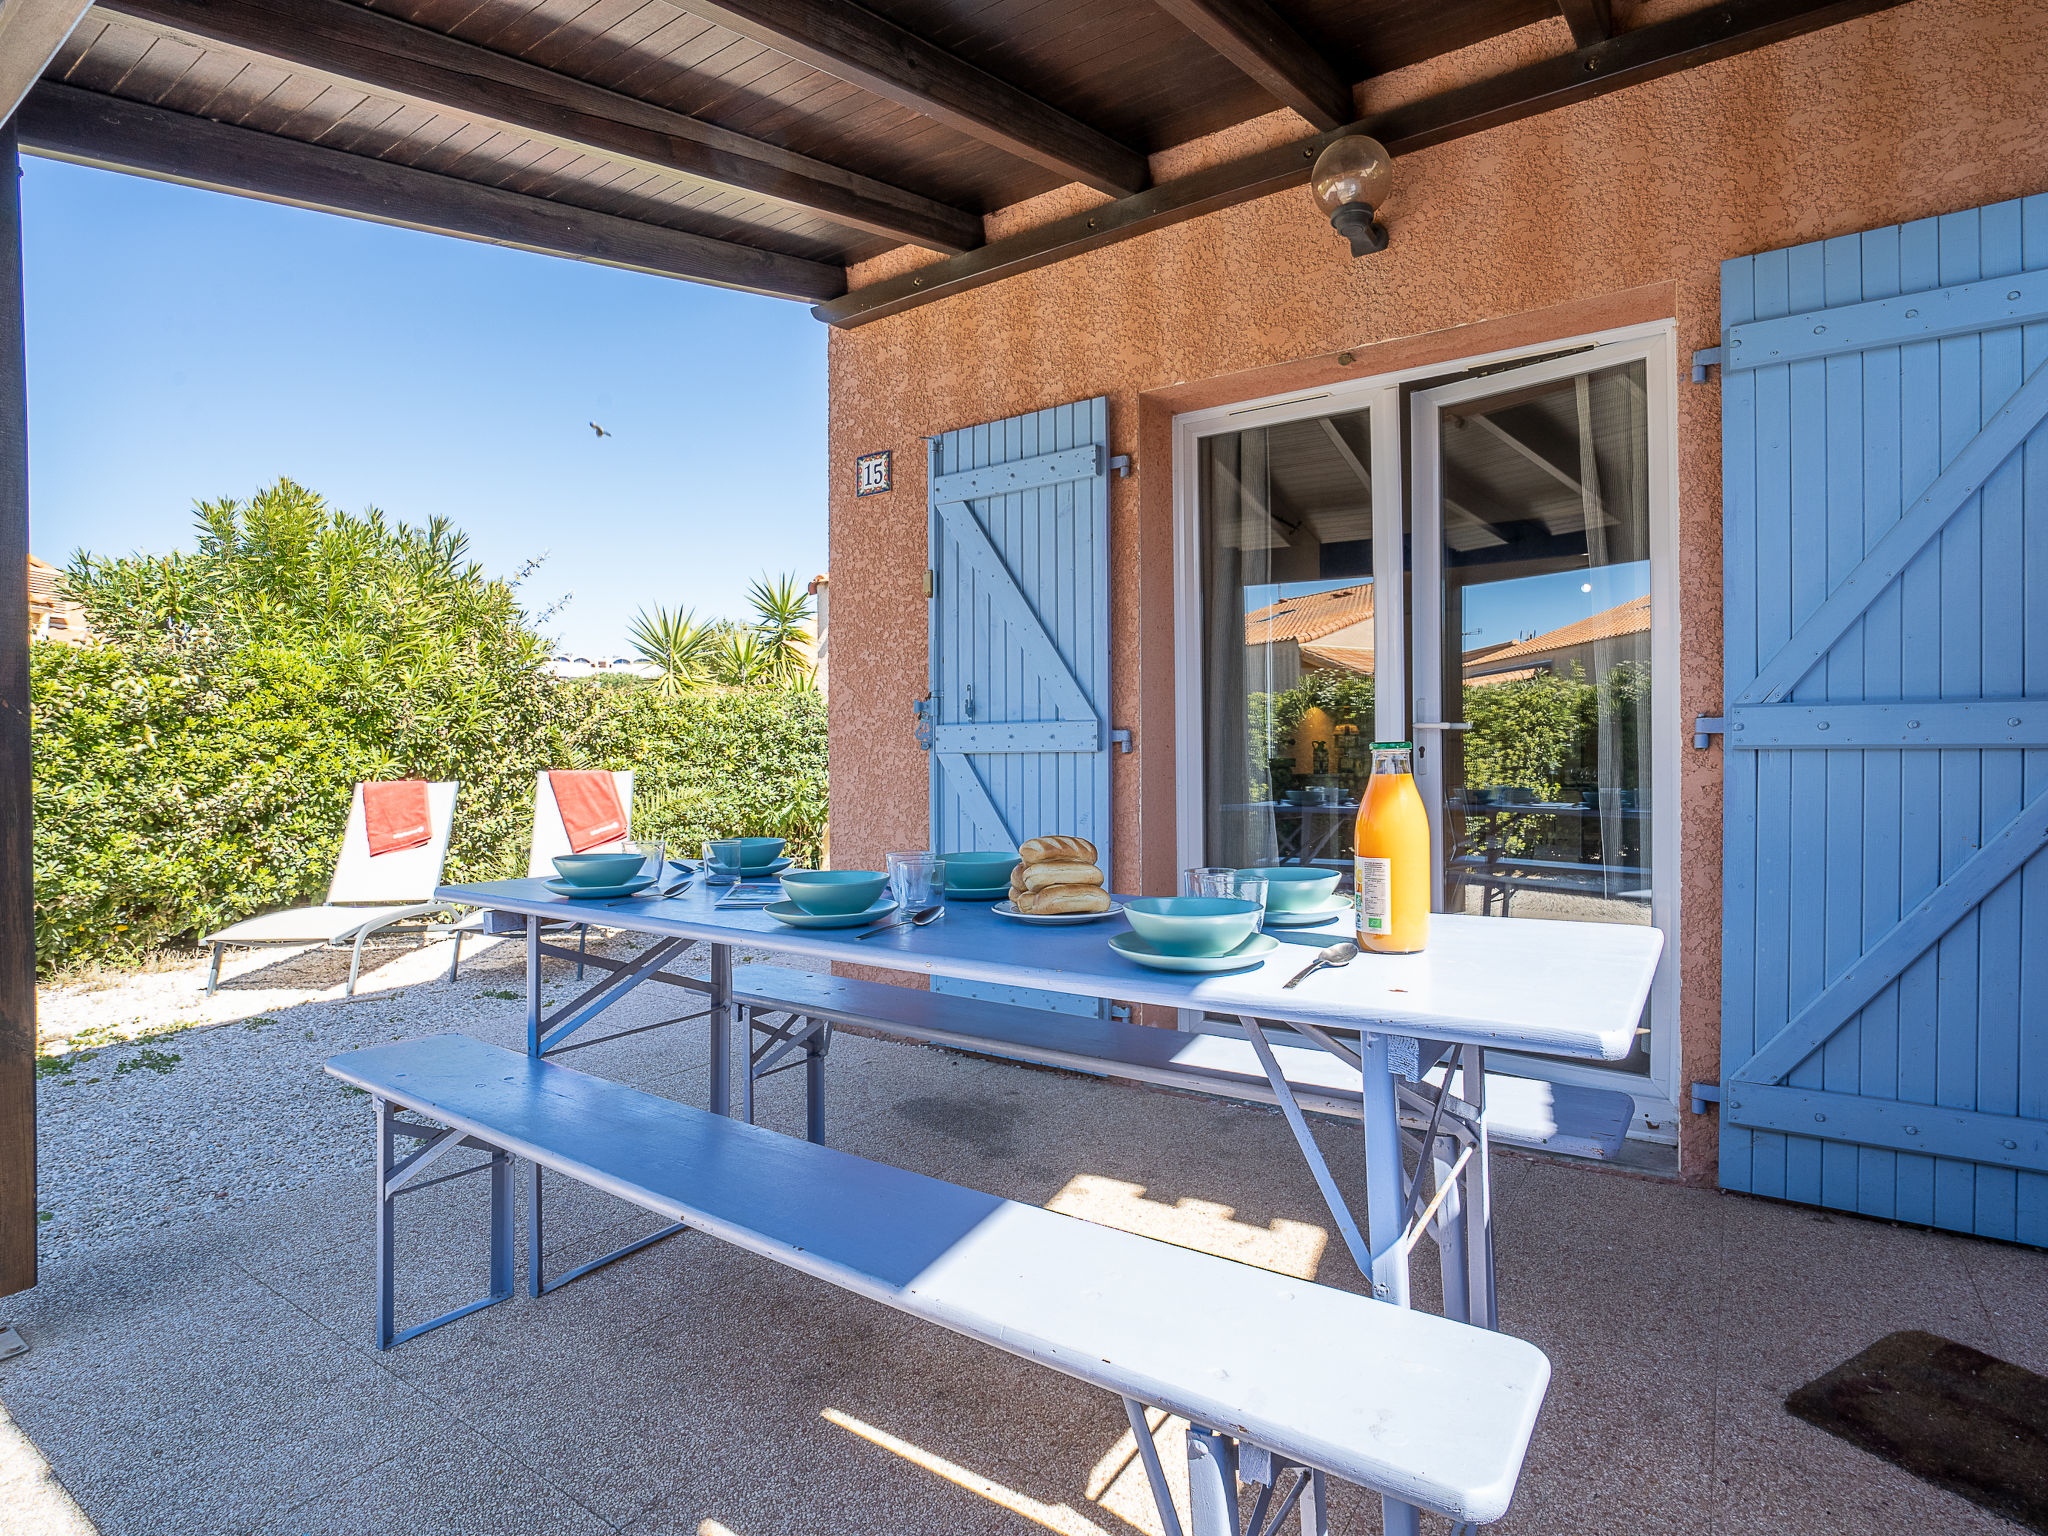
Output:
x=1391 y=859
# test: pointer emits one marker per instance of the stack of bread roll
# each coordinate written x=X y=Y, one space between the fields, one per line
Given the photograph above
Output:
x=1058 y=875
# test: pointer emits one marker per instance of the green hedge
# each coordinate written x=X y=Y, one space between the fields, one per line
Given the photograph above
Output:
x=170 y=801
x=196 y=766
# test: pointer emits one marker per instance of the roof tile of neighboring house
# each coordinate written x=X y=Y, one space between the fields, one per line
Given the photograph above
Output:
x=1344 y=658
x=1309 y=618
x=1629 y=618
x=1517 y=675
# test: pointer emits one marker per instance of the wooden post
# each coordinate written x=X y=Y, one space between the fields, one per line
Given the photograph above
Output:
x=17 y=884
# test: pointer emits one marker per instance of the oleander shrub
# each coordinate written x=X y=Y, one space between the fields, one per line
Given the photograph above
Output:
x=195 y=766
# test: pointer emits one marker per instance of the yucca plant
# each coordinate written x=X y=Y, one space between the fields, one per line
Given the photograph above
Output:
x=741 y=660
x=782 y=617
x=683 y=650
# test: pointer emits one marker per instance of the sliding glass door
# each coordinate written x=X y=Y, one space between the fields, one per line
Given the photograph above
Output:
x=1479 y=559
x=1538 y=562
x=1289 y=637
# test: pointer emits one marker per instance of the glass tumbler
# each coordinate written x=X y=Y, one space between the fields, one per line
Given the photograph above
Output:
x=1253 y=888
x=916 y=880
x=654 y=857
x=1209 y=880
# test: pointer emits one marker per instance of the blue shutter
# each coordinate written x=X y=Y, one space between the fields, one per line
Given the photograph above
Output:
x=1885 y=939
x=1017 y=724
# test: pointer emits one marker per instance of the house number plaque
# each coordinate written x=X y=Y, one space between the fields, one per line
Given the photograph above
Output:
x=871 y=473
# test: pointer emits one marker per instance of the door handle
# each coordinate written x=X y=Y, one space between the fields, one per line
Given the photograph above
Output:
x=1443 y=725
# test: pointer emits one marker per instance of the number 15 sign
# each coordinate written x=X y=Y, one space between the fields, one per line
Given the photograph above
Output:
x=871 y=473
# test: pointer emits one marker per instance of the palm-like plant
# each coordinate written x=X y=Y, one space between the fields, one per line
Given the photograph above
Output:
x=741 y=660
x=782 y=617
x=684 y=651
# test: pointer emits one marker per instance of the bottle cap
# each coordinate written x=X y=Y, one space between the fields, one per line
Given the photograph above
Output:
x=1392 y=746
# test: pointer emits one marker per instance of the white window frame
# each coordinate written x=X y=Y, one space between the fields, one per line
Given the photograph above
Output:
x=1393 y=440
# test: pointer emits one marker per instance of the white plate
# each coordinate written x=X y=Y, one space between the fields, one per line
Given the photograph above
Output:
x=1329 y=907
x=1054 y=919
x=719 y=875
x=789 y=912
x=1252 y=951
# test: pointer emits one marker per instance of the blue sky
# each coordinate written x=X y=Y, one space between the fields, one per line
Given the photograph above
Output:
x=186 y=344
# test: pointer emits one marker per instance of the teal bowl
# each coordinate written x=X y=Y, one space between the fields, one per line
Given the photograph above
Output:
x=599 y=868
x=833 y=892
x=1192 y=925
x=755 y=853
x=978 y=871
x=1295 y=887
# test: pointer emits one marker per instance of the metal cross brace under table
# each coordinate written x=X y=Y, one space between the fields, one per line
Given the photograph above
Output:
x=1564 y=988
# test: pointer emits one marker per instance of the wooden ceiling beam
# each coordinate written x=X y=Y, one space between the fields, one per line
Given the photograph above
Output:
x=1260 y=42
x=31 y=32
x=382 y=53
x=1647 y=53
x=851 y=43
x=63 y=122
x=1591 y=21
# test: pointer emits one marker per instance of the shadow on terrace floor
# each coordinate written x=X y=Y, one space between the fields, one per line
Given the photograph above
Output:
x=216 y=1374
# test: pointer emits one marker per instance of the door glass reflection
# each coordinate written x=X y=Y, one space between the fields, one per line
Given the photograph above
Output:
x=1548 y=793
x=1287 y=640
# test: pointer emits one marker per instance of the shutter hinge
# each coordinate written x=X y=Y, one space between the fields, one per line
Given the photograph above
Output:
x=1705 y=726
x=1123 y=466
x=931 y=583
x=1704 y=1094
x=1121 y=740
x=1702 y=360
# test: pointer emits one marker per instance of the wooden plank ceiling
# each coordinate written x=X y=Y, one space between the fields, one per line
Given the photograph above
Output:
x=765 y=144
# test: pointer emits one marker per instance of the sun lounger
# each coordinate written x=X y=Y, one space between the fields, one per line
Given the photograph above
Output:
x=366 y=894
x=549 y=842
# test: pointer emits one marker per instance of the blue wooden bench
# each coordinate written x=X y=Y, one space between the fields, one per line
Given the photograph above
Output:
x=1284 y=1381
x=1520 y=1111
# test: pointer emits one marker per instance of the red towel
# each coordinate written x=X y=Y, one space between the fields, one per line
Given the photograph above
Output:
x=589 y=802
x=395 y=816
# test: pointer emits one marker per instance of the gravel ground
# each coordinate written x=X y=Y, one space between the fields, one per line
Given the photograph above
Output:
x=158 y=1105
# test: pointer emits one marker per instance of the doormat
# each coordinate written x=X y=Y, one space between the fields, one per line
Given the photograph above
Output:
x=1955 y=1416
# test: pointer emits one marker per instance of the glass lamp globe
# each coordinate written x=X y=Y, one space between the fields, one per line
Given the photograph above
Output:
x=1351 y=180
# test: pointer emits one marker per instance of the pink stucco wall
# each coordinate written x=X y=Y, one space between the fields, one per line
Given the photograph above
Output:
x=1609 y=212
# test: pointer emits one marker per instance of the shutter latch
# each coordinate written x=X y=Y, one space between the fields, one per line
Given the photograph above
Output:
x=1705 y=726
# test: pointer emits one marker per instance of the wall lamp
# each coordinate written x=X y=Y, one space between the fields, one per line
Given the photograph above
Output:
x=1351 y=179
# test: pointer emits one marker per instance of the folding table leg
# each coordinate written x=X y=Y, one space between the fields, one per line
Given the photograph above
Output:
x=744 y=1017
x=1479 y=1288
x=387 y=1248
x=1450 y=1233
x=814 y=1086
x=1384 y=1172
x=1155 y=1474
x=1315 y=1506
x=1212 y=1483
x=533 y=1230
x=721 y=1029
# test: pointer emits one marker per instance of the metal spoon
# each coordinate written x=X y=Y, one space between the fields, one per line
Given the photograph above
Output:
x=1335 y=955
x=917 y=919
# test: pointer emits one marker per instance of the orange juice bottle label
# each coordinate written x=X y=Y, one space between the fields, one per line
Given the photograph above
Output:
x=1375 y=881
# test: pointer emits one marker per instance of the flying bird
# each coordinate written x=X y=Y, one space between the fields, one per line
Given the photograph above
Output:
x=600 y=431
